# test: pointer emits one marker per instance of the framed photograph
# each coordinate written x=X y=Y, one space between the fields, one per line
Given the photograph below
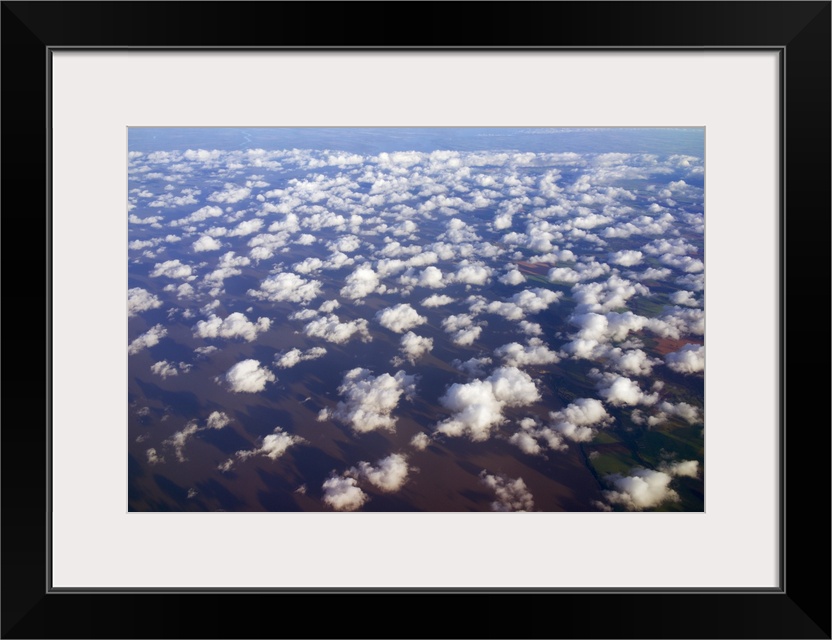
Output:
x=384 y=294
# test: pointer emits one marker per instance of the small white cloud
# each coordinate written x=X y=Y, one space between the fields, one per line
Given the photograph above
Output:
x=627 y=258
x=388 y=475
x=139 y=300
x=687 y=468
x=235 y=325
x=246 y=228
x=420 y=441
x=217 y=420
x=580 y=420
x=533 y=354
x=512 y=277
x=685 y=298
x=361 y=283
x=511 y=493
x=343 y=494
x=437 y=300
x=273 y=446
x=148 y=339
x=333 y=330
x=296 y=356
x=400 y=318
x=164 y=368
x=173 y=269
x=247 y=377
x=414 y=347
x=206 y=243
x=620 y=390
x=231 y=194
x=642 y=489
x=287 y=287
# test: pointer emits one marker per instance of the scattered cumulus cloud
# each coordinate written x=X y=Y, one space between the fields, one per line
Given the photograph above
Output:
x=247 y=377
x=148 y=339
x=369 y=401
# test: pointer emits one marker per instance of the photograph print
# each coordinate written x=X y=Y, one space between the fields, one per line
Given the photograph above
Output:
x=416 y=319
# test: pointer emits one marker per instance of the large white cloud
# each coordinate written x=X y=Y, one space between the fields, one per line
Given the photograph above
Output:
x=235 y=325
x=511 y=493
x=288 y=287
x=148 y=339
x=139 y=300
x=478 y=405
x=400 y=318
x=689 y=359
x=369 y=400
x=248 y=377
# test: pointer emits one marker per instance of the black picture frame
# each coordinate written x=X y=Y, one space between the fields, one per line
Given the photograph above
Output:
x=800 y=31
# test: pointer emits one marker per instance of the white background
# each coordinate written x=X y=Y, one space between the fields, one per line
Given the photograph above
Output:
x=98 y=95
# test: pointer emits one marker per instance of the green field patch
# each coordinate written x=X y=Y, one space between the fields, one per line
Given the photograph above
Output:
x=655 y=444
x=606 y=437
x=648 y=307
x=613 y=459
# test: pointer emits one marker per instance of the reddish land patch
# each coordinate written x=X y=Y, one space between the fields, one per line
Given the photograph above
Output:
x=667 y=345
x=534 y=268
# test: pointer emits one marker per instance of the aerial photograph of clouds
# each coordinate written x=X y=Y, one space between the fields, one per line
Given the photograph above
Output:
x=416 y=319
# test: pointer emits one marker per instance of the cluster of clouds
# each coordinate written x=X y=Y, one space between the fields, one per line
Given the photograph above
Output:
x=216 y=420
x=461 y=229
x=511 y=494
x=167 y=369
x=344 y=493
x=273 y=446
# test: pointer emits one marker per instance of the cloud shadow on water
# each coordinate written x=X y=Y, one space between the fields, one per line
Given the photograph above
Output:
x=172 y=490
x=183 y=403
